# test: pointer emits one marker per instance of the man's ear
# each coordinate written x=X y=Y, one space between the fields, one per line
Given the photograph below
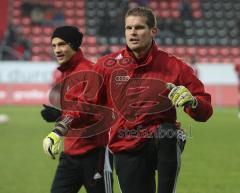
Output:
x=154 y=31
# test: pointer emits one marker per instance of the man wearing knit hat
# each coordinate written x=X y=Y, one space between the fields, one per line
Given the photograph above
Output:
x=81 y=162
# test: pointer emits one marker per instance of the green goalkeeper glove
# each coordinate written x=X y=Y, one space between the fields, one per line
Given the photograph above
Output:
x=51 y=144
x=181 y=96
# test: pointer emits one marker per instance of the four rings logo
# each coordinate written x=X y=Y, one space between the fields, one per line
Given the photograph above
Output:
x=122 y=78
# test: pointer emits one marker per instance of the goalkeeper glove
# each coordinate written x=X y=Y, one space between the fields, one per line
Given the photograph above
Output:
x=50 y=114
x=181 y=96
x=51 y=144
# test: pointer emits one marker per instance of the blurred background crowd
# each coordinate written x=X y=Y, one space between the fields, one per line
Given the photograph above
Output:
x=206 y=30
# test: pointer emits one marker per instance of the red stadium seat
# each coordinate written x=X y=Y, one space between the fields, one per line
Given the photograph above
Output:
x=26 y=21
x=203 y=59
x=58 y=4
x=175 y=13
x=213 y=59
x=80 y=13
x=197 y=14
x=36 y=58
x=36 y=40
x=213 y=52
x=235 y=51
x=16 y=3
x=46 y=40
x=16 y=21
x=236 y=60
x=224 y=52
x=92 y=50
x=79 y=4
x=202 y=51
x=225 y=60
x=45 y=57
x=174 y=5
x=36 y=30
x=115 y=48
x=195 y=5
x=26 y=30
x=163 y=5
x=90 y=40
x=69 y=4
x=70 y=21
x=164 y=13
x=69 y=13
x=48 y=30
x=36 y=50
x=102 y=48
x=191 y=51
x=80 y=22
x=169 y=49
x=16 y=12
x=180 y=51
x=153 y=5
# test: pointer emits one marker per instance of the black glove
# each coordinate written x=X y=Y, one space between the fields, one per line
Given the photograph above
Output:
x=50 y=114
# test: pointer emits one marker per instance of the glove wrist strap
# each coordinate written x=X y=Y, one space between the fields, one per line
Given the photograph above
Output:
x=58 y=132
x=63 y=125
x=194 y=103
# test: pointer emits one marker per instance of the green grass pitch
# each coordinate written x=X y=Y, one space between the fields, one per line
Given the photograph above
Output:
x=210 y=162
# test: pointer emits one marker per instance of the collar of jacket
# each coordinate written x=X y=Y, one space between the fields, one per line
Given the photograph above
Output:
x=74 y=60
x=147 y=59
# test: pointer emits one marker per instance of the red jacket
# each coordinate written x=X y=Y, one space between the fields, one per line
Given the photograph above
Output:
x=72 y=91
x=136 y=90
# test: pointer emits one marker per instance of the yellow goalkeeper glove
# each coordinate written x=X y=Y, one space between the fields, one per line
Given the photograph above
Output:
x=181 y=96
x=51 y=144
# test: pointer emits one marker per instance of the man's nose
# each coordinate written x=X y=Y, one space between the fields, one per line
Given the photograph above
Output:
x=133 y=31
x=57 y=49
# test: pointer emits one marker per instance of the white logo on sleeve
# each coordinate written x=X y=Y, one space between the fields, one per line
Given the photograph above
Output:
x=97 y=176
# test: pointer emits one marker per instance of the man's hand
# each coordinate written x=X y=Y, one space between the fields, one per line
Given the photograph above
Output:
x=181 y=96
x=51 y=144
x=50 y=114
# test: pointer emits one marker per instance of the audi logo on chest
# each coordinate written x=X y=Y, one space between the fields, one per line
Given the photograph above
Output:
x=122 y=78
